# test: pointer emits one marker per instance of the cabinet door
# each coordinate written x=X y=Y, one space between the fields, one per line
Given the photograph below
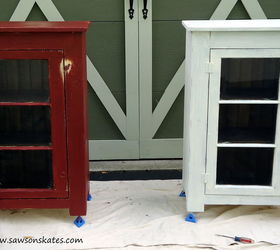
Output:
x=243 y=134
x=32 y=128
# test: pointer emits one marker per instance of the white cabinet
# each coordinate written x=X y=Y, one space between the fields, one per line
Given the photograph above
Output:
x=232 y=126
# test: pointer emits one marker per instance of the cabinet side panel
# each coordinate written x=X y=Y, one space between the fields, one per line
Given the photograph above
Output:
x=196 y=121
x=187 y=97
x=76 y=109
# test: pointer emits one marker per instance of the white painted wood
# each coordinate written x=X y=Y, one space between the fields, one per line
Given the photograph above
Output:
x=233 y=25
x=244 y=190
x=254 y=9
x=254 y=42
x=159 y=148
x=187 y=96
x=244 y=53
x=187 y=121
x=248 y=102
x=214 y=100
x=276 y=160
x=196 y=96
x=242 y=200
x=239 y=39
x=213 y=121
x=245 y=145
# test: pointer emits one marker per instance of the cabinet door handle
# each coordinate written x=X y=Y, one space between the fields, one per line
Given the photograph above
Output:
x=131 y=10
x=145 y=10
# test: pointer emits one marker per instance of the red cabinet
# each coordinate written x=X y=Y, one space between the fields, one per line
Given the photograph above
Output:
x=43 y=126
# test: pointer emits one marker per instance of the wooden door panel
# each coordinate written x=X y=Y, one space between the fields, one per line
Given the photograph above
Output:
x=27 y=115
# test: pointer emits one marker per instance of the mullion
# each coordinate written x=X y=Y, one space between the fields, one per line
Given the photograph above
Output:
x=229 y=64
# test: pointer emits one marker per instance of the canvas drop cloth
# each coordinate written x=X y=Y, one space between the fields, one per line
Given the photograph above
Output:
x=144 y=215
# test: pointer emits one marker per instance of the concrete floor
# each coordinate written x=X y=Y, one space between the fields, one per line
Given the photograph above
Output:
x=97 y=166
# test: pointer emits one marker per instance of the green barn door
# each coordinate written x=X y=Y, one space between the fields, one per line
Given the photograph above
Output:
x=113 y=74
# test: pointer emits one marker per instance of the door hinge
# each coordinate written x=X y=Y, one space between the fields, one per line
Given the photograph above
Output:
x=205 y=177
x=209 y=67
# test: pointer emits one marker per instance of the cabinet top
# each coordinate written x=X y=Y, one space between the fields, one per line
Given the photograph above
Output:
x=44 y=26
x=233 y=25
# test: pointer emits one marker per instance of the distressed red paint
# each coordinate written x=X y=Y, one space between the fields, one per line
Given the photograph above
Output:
x=63 y=45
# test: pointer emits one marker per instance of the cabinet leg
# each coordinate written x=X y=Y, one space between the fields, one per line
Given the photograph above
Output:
x=89 y=198
x=182 y=194
x=191 y=218
x=79 y=221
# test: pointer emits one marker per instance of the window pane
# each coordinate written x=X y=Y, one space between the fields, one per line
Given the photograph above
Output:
x=247 y=123
x=250 y=78
x=245 y=166
x=24 y=80
x=25 y=169
x=25 y=125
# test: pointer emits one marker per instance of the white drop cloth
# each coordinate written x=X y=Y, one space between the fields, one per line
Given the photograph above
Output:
x=144 y=215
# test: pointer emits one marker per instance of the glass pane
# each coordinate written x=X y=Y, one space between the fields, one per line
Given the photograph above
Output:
x=23 y=80
x=25 y=169
x=247 y=123
x=25 y=125
x=245 y=166
x=250 y=78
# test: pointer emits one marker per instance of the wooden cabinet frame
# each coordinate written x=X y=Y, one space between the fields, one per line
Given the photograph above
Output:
x=207 y=43
x=58 y=125
x=216 y=56
x=63 y=44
